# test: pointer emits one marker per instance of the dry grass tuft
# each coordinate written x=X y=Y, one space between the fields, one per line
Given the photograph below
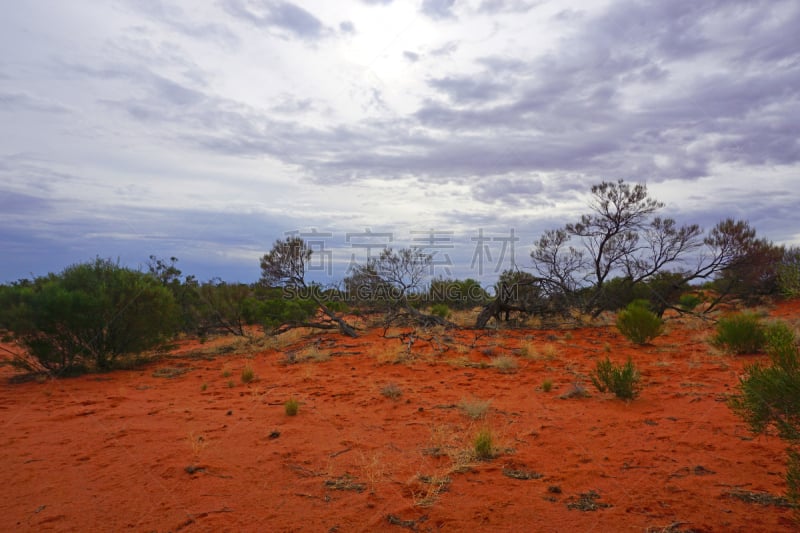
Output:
x=505 y=364
x=392 y=354
x=475 y=408
x=391 y=391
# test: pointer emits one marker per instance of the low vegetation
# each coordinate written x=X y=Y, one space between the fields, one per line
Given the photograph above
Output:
x=638 y=323
x=740 y=333
x=483 y=444
x=475 y=408
x=291 y=407
x=622 y=380
x=769 y=397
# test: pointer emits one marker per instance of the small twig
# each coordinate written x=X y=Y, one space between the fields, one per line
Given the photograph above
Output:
x=337 y=454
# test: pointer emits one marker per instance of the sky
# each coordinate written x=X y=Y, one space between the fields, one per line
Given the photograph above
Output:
x=206 y=130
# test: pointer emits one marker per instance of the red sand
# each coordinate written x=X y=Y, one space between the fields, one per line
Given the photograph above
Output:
x=132 y=450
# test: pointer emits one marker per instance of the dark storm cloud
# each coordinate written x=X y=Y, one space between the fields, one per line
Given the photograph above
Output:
x=277 y=15
x=438 y=9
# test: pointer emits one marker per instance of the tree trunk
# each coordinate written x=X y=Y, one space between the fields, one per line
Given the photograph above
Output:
x=344 y=327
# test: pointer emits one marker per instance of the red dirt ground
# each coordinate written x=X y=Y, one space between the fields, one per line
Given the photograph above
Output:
x=154 y=449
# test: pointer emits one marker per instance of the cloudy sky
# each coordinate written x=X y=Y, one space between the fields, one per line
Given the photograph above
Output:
x=208 y=129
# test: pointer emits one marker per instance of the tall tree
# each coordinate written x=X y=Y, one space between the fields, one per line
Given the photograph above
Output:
x=285 y=265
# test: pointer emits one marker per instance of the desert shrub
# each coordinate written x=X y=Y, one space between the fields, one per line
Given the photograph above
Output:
x=638 y=323
x=483 y=444
x=456 y=294
x=622 y=380
x=291 y=407
x=740 y=333
x=689 y=301
x=547 y=385
x=504 y=364
x=440 y=310
x=90 y=313
x=789 y=273
x=392 y=391
x=248 y=374
x=769 y=396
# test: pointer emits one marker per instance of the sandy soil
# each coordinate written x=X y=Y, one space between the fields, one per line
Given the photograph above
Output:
x=184 y=445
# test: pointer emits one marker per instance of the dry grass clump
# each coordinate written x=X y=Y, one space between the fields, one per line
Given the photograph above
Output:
x=373 y=469
x=314 y=354
x=288 y=338
x=531 y=351
x=248 y=374
x=291 y=407
x=463 y=318
x=392 y=354
x=549 y=351
x=391 y=391
x=575 y=391
x=475 y=408
x=504 y=363
x=430 y=487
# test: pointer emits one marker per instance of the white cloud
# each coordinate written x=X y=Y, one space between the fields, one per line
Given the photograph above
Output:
x=273 y=115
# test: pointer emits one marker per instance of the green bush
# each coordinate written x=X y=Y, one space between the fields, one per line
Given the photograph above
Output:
x=789 y=273
x=741 y=333
x=769 y=396
x=89 y=314
x=622 y=380
x=638 y=323
x=689 y=301
x=291 y=407
x=483 y=444
x=440 y=310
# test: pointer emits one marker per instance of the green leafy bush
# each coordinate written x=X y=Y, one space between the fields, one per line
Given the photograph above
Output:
x=456 y=294
x=440 y=310
x=89 y=314
x=638 y=323
x=740 y=333
x=689 y=301
x=789 y=273
x=769 y=396
x=622 y=380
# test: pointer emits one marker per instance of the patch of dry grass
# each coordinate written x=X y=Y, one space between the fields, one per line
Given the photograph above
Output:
x=391 y=391
x=474 y=408
x=464 y=318
x=392 y=353
x=504 y=364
